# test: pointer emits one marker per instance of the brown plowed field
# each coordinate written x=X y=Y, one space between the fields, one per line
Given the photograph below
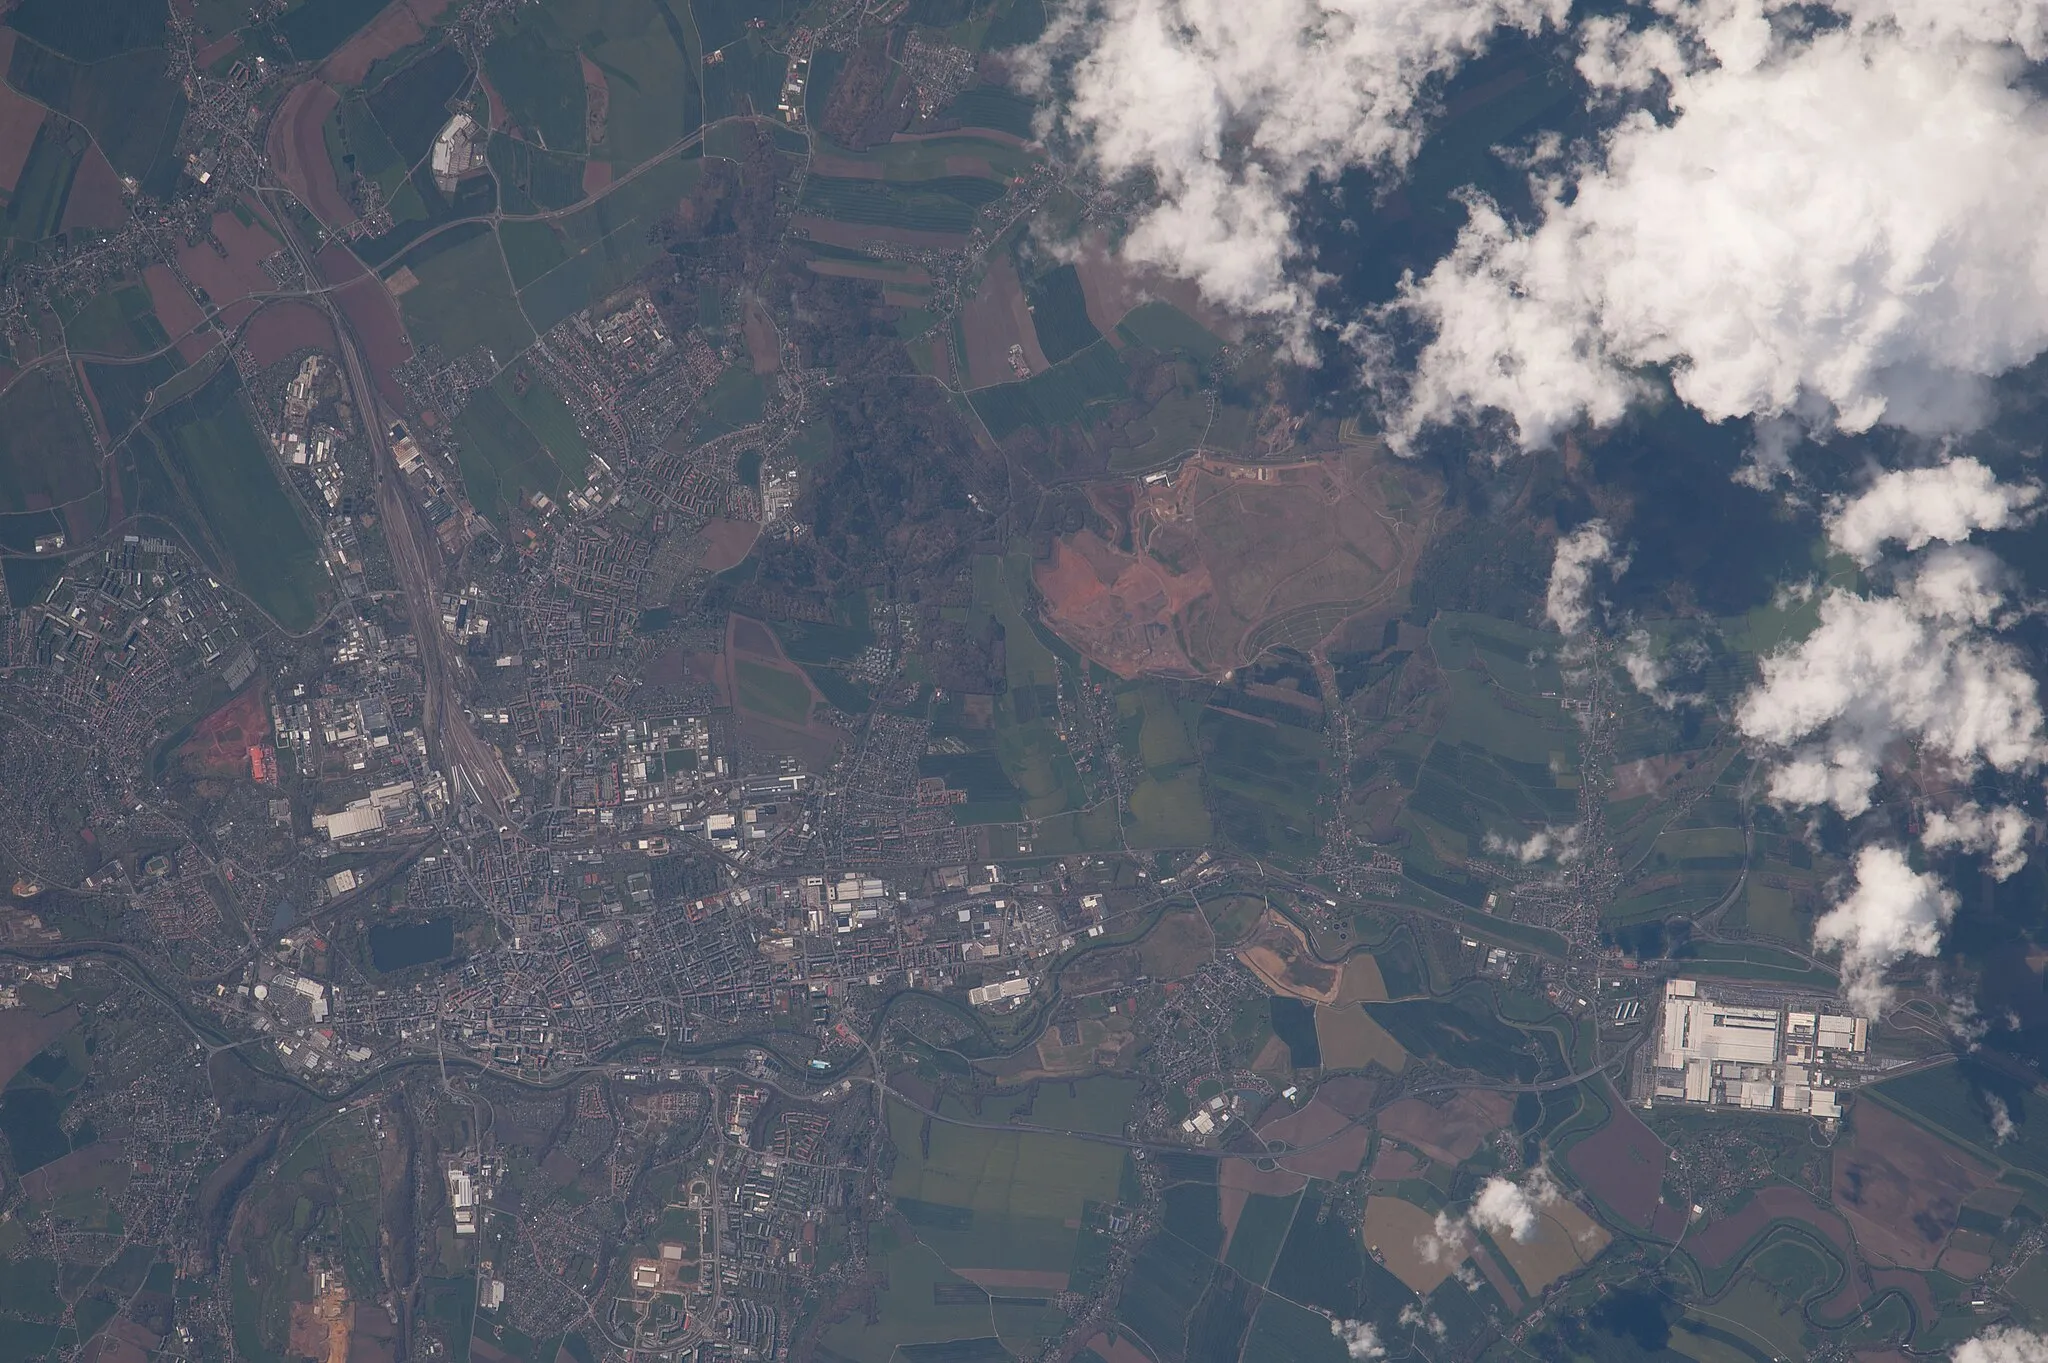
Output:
x=1451 y=1133
x=1901 y=1186
x=1623 y=1165
x=996 y=319
x=727 y=544
x=281 y=328
x=298 y=152
x=1339 y=1142
x=370 y=310
x=1225 y=553
x=239 y=273
x=1113 y=287
x=177 y=310
x=1725 y=1238
x=852 y=234
x=95 y=199
x=403 y=23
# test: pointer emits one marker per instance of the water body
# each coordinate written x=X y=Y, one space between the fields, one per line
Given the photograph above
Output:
x=396 y=946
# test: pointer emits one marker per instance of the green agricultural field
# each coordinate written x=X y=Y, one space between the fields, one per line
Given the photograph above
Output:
x=924 y=1302
x=40 y=193
x=602 y=248
x=1162 y=326
x=227 y=476
x=772 y=692
x=411 y=105
x=1261 y=1230
x=645 y=51
x=1059 y=313
x=1152 y=727
x=746 y=80
x=1064 y=393
x=737 y=400
x=47 y=454
x=927 y=159
x=129 y=104
x=314 y=28
x=1101 y=1104
x=1462 y=1031
x=997 y=1199
x=94 y=32
x=529 y=396
x=986 y=106
x=120 y=321
x=1264 y=781
x=502 y=460
x=534 y=68
x=464 y=296
x=1026 y=740
x=364 y=138
x=1168 y=811
x=946 y=203
x=534 y=179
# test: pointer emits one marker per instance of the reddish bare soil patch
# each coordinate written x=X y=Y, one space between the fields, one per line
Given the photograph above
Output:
x=373 y=315
x=100 y=1165
x=23 y=1034
x=727 y=544
x=1354 y=1095
x=751 y=636
x=281 y=328
x=234 y=270
x=19 y=119
x=220 y=743
x=764 y=346
x=997 y=1279
x=1113 y=287
x=1114 y=1348
x=175 y=308
x=1901 y=1186
x=402 y=23
x=852 y=234
x=1623 y=1165
x=1646 y=777
x=1490 y=1269
x=1451 y=1133
x=95 y=198
x=597 y=103
x=1393 y=1162
x=1725 y=1238
x=1224 y=547
x=298 y=152
x=214 y=51
x=597 y=176
x=1339 y=1143
x=996 y=319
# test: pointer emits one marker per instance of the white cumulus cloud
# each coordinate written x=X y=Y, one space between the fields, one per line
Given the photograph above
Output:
x=1360 y=1340
x=1891 y=912
x=2004 y=1344
x=2003 y=1127
x=1563 y=843
x=2001 y=832
x=1505 y=1207
x=1228 y=108
x=1919 y=665
x=1568 y=602
x=1843 y=228
x=1502 y=1207
x=1915 y=507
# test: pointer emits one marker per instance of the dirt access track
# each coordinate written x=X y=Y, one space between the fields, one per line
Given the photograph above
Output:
x=1228 y=558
